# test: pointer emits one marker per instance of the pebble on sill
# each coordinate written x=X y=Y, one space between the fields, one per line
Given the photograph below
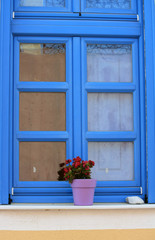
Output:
x=134 y=200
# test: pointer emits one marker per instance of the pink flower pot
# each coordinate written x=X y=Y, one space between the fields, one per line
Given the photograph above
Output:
x=83 y=191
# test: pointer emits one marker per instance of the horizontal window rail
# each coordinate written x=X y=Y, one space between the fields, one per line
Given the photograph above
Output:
x=42 y=136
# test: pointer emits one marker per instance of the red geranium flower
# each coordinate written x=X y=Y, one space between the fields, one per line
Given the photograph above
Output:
x=65 y=170
x=84 y=163
x=77 y=164
x=78 y=169
x=91 y=162
x=77 y=159
x=68 y=161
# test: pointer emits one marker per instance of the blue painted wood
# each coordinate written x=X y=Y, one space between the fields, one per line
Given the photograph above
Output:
x=45 y=15
x=127 y=184
x=142 y=114
x=69 y=199
x=133 y=136
x=68 y=191
x=141 y=93
x=65 y=194
x=110 y=136
x=149 y=7
x=110 y=87
x=42 y=86
x=1 y=49
x=15 y=112
x=4 y=110
x=42 y=199
x=84 y=99
x=11 y=122
x=91 y=28
x=136 y=112
x=39 y=184
x=77 y=124
x=42 y=136
x=65 y=136
x=75 y=15
x=114 y=199
x=69 y=100
x=76 y=28
x=112 y=17
x=76 y=6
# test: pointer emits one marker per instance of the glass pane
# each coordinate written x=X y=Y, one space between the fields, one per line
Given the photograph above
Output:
x=118 y=4
x=109 y=63
x=110 y=112
x=43 y=62
x=42 y=3
x=114 y=161
x=42 y=111
x=39 y=161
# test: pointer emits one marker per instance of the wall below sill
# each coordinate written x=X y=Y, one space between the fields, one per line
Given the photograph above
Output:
x=50 y=217
x=138 y=234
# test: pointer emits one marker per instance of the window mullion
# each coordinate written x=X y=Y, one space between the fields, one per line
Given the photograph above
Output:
x=76 y=6
x=77 y=138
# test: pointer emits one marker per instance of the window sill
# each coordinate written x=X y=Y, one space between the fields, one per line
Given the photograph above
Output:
x=70 y=206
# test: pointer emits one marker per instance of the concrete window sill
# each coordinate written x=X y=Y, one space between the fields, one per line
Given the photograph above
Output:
x=70 y=206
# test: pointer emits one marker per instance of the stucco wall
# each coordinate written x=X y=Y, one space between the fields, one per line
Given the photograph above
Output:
x=80 y=235
x=78 y=224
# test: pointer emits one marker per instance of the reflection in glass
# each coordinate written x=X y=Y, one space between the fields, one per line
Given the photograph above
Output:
x=118 y=4
x=109 y=63
x=42 y=3
x=110 y=112
x=42 y=62
x=39 y=161
x=42 y=111
x=114 y=161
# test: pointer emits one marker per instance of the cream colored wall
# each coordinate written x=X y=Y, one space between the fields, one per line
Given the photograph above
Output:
x=148 y=234
x=78 y=224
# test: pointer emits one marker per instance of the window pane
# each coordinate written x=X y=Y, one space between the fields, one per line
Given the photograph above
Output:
x=110 y=112
x=43 y=62
x=42 y=3
x=42 y=111
x=118 y=4
x=109 y=63
x=39 y=161
x=114 y=161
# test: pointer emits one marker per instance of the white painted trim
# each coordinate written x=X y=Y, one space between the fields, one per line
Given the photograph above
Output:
x=70 y=206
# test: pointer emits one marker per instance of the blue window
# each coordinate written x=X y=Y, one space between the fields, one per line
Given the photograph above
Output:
x=82 y=6
x=105 y=101
x=43 y=5
x=76 y=87
x=106 y=6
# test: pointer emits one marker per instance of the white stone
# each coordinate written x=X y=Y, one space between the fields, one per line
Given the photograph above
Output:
x=134 y=200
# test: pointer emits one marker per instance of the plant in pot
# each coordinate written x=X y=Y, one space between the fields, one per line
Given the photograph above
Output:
x=78 y=173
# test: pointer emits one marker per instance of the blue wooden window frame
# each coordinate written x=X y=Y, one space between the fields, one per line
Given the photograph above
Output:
x=36 y=136
x=118 y=189
x=76 y=6
x=133 y=87
x=149 y=7
x=32 y=27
